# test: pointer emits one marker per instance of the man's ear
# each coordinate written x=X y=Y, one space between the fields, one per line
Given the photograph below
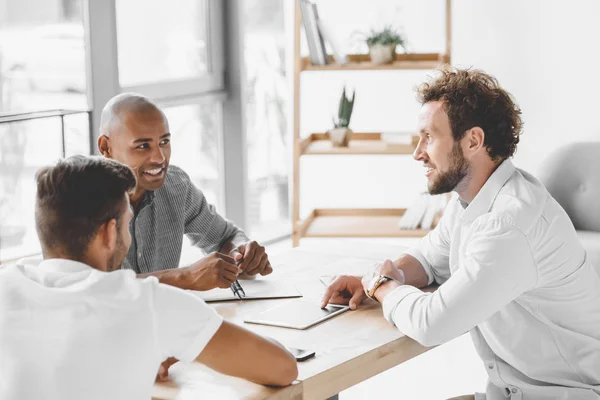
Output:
x=109 y=232
x=104 y=145
x=474 y=140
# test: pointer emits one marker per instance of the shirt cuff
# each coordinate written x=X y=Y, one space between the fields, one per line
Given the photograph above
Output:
x=207 y=333
x=416 y=253
x=393 y=298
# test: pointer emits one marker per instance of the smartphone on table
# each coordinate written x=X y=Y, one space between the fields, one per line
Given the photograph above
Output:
x=301 y=354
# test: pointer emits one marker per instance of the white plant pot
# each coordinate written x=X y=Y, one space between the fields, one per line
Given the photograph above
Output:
x=382 y=53
x=340 y=136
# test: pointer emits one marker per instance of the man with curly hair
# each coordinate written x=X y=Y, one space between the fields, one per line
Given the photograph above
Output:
x=505 y=254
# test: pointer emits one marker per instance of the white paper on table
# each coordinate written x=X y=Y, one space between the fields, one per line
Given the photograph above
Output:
x=255 y=290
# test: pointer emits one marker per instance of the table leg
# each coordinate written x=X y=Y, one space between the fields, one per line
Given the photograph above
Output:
x=334 y=397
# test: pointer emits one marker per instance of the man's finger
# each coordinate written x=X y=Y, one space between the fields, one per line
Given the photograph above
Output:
x=268 y=269
x=229 y=276
x=356 y=299
x=231 y=268
x=339 y=299
x=163 y=370
x=237 y=256
x=254 y=265
x=261 y=262
x=162 y=374
x=249 y=250
x=226 y=258
x=329 y=292
x=223 y=283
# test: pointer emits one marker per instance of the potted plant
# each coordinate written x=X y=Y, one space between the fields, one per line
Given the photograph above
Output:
x=340 y=134
x=382 y=44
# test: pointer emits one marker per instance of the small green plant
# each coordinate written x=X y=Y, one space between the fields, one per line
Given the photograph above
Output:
x=345 y=110
x=387 y=36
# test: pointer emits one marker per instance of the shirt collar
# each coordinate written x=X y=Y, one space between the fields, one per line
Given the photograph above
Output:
x=147 y=199
x=487 y=194
x=63 y=265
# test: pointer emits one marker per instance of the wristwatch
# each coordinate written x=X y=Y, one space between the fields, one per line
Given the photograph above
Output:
x=374 y=284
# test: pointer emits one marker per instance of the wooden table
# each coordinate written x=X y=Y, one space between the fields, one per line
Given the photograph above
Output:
x=350 y=348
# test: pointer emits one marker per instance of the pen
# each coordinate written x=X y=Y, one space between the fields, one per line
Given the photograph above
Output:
x=236 y=288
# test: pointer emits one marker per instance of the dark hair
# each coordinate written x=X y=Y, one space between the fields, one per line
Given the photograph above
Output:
x=473 y=98
x=76 y=197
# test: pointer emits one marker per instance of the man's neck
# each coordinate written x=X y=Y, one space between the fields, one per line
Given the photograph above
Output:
x=136 y=198
x=89 y=261
x=474 y=181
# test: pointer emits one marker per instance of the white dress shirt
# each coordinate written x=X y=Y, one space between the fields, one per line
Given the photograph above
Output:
x=513 y=273
x=68 y=331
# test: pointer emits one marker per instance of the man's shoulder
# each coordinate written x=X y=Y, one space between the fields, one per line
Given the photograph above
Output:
x=176 y=176
x=178 y=185
x=520 y=203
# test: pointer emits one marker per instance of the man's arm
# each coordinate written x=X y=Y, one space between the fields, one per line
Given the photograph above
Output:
x=236 y=351
x=497 y=268
x=214 y=270
x=211 y=232
x=432 y=254
x=414 y=273
x=232 y=243
x=422 y=265
x=188 y=329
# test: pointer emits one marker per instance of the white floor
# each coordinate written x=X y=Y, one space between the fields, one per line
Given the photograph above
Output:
x=449 y=370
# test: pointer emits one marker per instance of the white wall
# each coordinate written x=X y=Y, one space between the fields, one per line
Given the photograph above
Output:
x=545 y=53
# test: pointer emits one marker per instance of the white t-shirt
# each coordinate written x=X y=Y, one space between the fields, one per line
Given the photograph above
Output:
x=68 y=331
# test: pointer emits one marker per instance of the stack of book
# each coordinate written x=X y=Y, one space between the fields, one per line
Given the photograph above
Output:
x=317 y=33
x=424 y=213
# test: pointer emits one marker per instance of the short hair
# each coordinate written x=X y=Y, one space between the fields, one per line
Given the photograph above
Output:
x=75 y=197
x=473 y=98
x=124 y=103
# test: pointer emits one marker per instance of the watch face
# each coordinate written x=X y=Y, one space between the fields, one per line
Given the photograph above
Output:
x=373 y=282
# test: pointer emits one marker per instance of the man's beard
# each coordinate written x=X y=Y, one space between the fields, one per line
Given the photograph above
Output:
x=116 y=260
x=450 y=179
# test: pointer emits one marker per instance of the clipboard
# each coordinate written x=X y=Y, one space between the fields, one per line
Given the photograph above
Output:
x=259 y=289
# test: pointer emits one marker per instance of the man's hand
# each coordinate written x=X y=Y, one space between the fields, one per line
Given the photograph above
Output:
x=214 y=270
x=345 y=289
x=255 y=259
x=163 y=370
x=386 y=268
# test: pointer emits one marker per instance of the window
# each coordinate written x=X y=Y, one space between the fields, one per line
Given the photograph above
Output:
x=25 y=147
x=266 y=120
x=196 y=146
x=42 y=55
x=42 y=67
x=166 y=42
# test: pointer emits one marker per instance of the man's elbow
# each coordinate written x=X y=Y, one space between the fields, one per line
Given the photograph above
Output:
x=287 y=371
x=428 y=337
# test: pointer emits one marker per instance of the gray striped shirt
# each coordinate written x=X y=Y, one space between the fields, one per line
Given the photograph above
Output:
x=178 y=208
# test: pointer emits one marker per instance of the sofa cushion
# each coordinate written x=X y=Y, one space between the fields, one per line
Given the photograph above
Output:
x=570 y=175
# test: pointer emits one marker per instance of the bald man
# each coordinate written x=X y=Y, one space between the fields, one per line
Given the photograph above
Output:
x=167 y=205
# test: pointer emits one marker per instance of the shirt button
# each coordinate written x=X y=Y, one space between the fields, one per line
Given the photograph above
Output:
x=514 y=390
x=490 y=366
x=139 y=254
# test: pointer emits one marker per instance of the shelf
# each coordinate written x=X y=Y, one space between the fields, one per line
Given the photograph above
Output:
x=355 y=222
x=362 y=62
x=360 y=143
